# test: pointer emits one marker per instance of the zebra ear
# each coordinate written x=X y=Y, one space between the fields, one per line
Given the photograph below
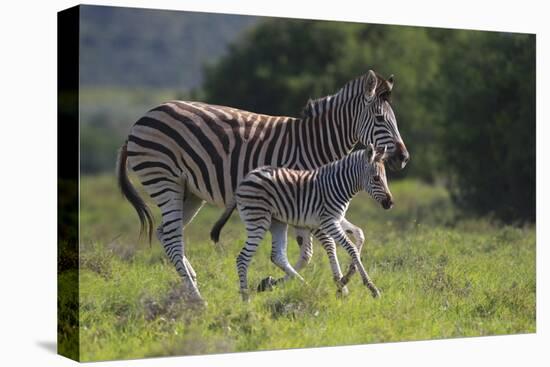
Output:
x=370 y=153
x=380 y=154
x=390 y=82
x=372 y=80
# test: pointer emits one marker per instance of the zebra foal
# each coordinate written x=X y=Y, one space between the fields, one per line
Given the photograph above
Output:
x=315 y=200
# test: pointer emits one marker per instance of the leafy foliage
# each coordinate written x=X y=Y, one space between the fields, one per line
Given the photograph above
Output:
x=489 y=136
x=282 y=63
x=464 y=100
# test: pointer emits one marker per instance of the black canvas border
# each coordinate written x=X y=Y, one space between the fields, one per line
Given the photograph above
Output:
x=68 y=37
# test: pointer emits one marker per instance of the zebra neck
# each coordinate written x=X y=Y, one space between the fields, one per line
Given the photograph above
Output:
x=328 y=135
x=345 y=178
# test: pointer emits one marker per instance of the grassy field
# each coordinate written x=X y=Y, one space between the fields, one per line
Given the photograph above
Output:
x=440 y=277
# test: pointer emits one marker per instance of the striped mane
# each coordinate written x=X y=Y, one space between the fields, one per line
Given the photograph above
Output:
x=314 y=107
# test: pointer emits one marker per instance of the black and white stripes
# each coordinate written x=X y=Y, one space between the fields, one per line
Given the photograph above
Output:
x=188 y=153
x=270 y=198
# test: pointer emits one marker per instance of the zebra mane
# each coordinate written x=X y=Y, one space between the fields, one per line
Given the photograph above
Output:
x=314 y=107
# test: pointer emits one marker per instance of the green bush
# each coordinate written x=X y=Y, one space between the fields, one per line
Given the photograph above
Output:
x=282 y=63
x=488 y=95
x=464 y=100
x=98 y=147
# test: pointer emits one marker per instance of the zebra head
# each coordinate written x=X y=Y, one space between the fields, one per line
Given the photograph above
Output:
x=377 y=123
x=376 y=183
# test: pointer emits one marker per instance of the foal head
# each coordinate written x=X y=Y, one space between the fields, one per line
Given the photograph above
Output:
x=376 y=183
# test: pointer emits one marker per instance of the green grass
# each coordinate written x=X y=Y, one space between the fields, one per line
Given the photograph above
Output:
x=439 y=278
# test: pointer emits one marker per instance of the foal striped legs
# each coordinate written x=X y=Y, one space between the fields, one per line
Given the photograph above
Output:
x=330 y=247
x=304 y=239
x=255 y=231
x=359 y=237
x=335 y=230
x=279 y=251
x=255 y=234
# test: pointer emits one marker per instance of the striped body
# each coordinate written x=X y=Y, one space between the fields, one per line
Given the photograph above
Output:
x=315 y=199
x=291 y=196
x=189 y=153
x=298 y=197
x=212 y=147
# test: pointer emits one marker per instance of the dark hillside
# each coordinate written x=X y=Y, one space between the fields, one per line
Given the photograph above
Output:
x=156 y=48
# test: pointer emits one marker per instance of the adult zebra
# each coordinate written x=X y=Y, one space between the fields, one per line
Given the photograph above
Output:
x=189 y=153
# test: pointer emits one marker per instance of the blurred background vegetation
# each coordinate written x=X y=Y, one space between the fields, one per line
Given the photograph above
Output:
x=464 y=100
x=447 y=264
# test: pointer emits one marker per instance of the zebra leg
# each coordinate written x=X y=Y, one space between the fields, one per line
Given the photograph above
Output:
x=303 y=237
x=255 y=233
x=330 y=247
x=178 y=207
x=334 y=230
x=191 y=270
x=359 y=238
x=190 y=207
x=170 y=234
x=176 y=213
x=185 y=260
x=279 y=251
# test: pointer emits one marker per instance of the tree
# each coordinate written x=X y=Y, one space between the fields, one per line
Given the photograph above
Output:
x=282 y=63
x=489 y=135
x=464 y=100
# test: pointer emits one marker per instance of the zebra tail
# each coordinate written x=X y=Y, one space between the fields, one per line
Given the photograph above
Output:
x=215 y=232
x=130 y=193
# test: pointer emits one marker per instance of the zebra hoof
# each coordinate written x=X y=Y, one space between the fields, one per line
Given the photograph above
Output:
x=375 y=292
x=342 y=292
x=372 y=288
x=266 y=284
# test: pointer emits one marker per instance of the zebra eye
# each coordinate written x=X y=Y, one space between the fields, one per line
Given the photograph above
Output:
x=376 y=178
x=380 y=118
